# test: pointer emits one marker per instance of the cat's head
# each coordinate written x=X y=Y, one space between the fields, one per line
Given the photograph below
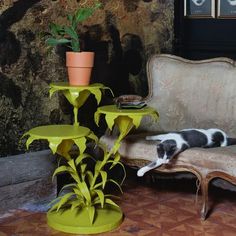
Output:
x=166 y=150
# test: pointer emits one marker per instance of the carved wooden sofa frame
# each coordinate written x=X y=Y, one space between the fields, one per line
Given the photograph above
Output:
x=188 y=94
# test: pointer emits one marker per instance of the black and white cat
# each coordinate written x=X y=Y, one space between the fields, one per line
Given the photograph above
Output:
x=174 y=143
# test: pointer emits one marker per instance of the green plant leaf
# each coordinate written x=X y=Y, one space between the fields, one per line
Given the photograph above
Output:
x=116 y=159
x=75 y=176
x=61 y=169
x=91 y=212
x=85 y=191
x=104 y=178
x=98 y=166
x=101 y=196
x=65 y=198
x=97 y=115
x=70 y=18
x=71 y=163
x=71 y=32
x=93 y=137
x=78 y=193
x=117 y=184
x=110 y=202
x=68 y=169
x=76 y=204
x=103 y=146
x=81 y=157
x=75 y=45
x=54 y=42
x=96 y=201
x=123 y=167
x=54 y=201
x=89 y=176
x=55 y=205
x=56 y=29
x=111 y=195
x=67 y=186
x=83 y=13
x=83 y=169
x=97 y=185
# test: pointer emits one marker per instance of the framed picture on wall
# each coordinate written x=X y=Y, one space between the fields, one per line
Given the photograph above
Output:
x=199 y=8
x=226 y=9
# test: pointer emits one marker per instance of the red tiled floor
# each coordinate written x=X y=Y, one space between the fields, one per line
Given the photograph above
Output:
x=164 y=208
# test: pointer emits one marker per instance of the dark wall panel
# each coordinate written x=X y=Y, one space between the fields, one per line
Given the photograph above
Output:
x=203 y=38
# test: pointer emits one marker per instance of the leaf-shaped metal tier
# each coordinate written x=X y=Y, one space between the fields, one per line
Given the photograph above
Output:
x=77 y=95
x=125 y=119
x=61 y=138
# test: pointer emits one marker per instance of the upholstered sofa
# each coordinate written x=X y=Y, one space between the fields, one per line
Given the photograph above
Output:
x=188 y=94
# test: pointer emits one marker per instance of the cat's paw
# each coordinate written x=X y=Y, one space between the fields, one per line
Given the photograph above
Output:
x=140 y=173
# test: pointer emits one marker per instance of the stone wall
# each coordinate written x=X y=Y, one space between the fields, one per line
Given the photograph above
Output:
x=27 y=179
x=123 y=34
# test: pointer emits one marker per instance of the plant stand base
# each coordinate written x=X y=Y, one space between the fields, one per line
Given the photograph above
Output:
x=77 y=222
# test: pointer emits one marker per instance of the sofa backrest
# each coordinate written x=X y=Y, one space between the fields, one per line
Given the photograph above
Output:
x=191 y=94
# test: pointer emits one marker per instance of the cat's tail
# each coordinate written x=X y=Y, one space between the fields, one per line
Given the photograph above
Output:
x=231 y=141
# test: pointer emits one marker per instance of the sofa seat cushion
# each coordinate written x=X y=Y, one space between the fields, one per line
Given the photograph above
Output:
x=135 y=147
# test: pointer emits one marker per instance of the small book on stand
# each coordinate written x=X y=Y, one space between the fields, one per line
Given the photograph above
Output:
x=129 y=102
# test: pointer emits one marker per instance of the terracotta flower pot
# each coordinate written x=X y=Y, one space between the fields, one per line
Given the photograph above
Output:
x=79 y=65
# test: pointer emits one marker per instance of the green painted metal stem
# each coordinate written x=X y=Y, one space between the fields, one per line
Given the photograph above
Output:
x=75 y=110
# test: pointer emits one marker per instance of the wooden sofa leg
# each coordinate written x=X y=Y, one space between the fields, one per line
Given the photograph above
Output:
x=204 y=188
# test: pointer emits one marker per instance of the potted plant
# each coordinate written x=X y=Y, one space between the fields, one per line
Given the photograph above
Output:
x=79 y=63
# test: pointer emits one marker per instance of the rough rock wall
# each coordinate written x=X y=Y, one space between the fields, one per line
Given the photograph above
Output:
x=123 y=34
